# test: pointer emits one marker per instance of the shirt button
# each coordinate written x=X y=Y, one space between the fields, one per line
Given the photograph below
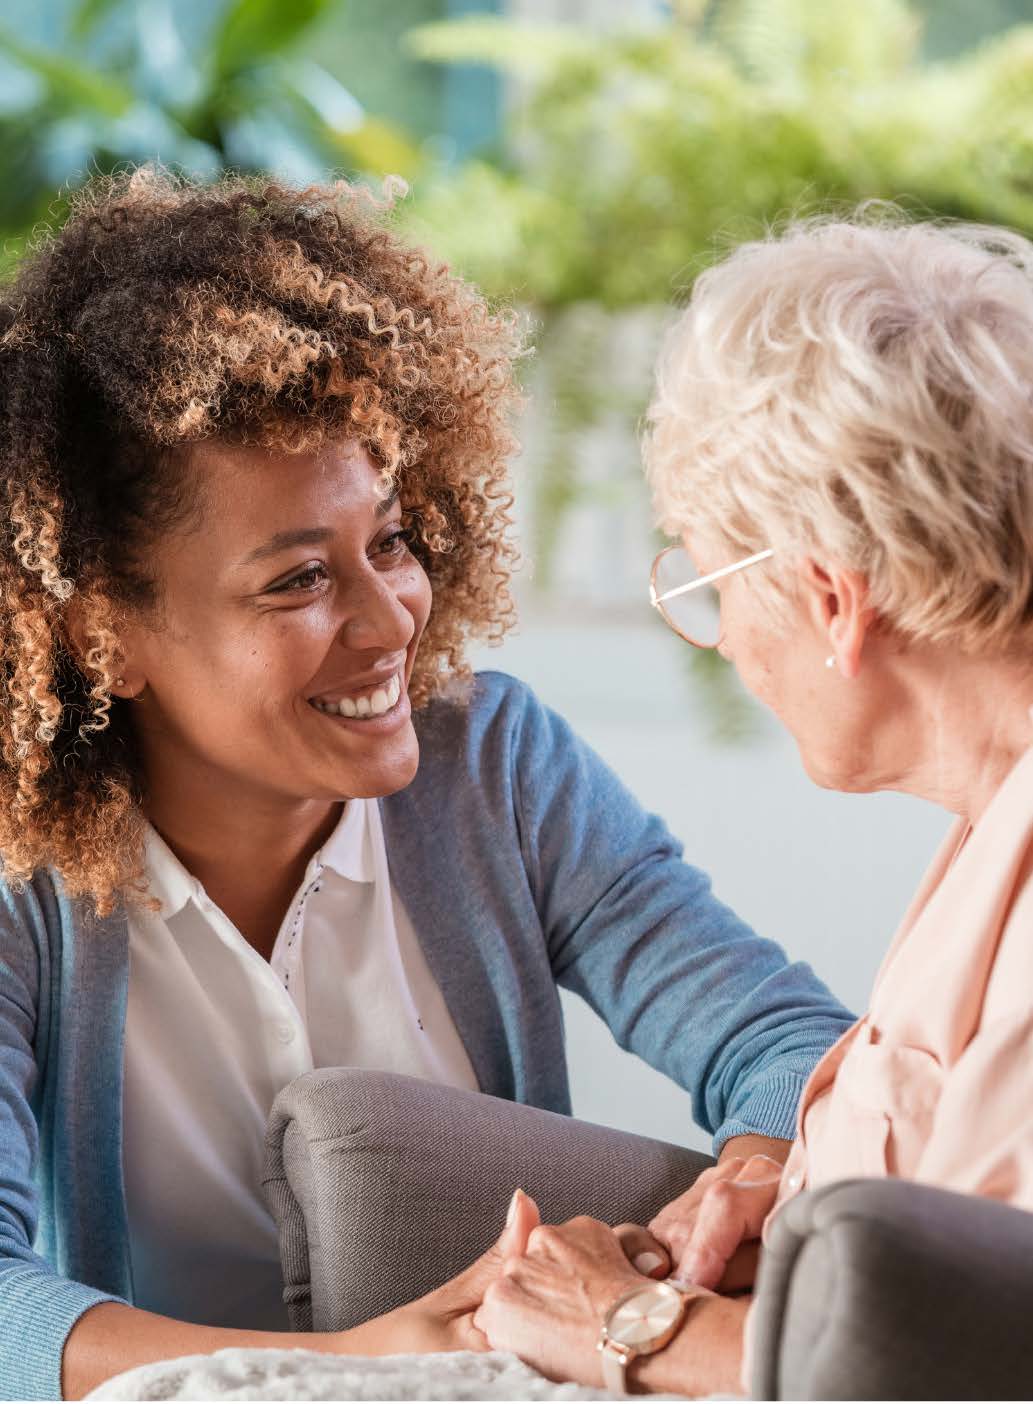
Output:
x=285 y=1033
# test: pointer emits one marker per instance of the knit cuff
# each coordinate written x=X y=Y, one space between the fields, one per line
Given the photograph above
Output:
x=768 y=1110
x=45 y=1308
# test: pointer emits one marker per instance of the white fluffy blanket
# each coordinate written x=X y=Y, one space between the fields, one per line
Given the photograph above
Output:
x=308 y=1374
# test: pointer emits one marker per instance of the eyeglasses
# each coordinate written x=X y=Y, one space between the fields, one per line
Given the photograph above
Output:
x=688 y=601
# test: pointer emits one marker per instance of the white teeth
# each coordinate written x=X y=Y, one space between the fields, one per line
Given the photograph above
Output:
x=381 y=701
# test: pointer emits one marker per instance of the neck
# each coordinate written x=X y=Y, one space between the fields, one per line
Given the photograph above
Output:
x=961 y=724
x=247 y=848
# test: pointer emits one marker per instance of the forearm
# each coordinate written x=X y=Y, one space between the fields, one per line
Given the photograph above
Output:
x=705 y=1356
x=110 y=1338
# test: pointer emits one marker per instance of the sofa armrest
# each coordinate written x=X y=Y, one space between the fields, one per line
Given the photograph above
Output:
x=887 y=1289
x=384 y=1186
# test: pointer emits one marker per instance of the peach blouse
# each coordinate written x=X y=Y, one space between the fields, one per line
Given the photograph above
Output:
x=935 y=1083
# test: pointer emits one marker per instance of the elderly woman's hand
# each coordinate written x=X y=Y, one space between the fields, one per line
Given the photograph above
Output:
x=712 y=1232
x=547 y=1306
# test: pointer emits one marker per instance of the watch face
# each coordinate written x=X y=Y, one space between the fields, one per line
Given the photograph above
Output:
x=645 y=1315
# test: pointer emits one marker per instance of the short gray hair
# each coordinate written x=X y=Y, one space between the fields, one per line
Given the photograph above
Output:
x=861 y=391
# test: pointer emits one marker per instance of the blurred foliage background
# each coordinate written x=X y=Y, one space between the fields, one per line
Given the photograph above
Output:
x=583 y=159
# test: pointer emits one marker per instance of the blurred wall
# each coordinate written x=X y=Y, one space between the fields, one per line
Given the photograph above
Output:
x=827 y=875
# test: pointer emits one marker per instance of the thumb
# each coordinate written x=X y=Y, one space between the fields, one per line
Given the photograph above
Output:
x=521 y=1218
x=469 y=1287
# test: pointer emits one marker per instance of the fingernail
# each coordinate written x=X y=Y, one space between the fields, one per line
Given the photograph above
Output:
x=512 y=1210
x=646 y=1263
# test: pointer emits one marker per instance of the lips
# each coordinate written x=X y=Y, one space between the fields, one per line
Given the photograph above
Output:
x=371 y=702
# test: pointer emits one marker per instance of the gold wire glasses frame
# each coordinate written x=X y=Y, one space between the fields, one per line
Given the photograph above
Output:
x=691 y=609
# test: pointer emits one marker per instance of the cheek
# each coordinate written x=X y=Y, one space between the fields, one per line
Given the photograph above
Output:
x=417 y=596
x=759 y=660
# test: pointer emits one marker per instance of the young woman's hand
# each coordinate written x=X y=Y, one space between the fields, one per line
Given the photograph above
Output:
x=712 y=1232
x=443 y=1319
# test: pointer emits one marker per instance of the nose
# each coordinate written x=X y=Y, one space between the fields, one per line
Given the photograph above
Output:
x=378 y=616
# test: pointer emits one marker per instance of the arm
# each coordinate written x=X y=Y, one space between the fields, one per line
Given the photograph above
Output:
x=113 y=1337
x=38 y=1307
x=637 y=932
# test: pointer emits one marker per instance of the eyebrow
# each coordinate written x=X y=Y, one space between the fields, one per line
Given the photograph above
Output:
x=305 y=536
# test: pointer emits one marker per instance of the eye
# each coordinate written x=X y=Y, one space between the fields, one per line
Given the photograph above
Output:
x=308 y=579
x=395 y=544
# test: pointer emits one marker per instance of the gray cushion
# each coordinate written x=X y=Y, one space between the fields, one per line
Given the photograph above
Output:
x=383 y=1186
x=885 y=1289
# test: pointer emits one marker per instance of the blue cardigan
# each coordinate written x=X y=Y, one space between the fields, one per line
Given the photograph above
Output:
x=524 y=864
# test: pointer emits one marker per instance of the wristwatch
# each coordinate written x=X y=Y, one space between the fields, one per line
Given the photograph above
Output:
x=641 y=1321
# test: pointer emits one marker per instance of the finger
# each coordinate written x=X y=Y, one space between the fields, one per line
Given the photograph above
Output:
x=521 y=1220
x=467 y=1289
x=730 y=1212
x=676 y=1226
x=740 y=1274
x=684 y=1208
x=645 y=1254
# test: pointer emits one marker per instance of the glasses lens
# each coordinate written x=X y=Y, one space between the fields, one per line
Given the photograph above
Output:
x=696 y=614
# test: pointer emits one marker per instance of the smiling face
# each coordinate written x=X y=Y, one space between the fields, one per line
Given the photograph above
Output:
x=275 y=667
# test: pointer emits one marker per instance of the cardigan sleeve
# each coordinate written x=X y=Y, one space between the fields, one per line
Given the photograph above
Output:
x=38 y=1307
x=637 y=932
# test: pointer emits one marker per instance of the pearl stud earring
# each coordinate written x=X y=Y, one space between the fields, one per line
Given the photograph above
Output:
x=120 y=682
x=830 y=661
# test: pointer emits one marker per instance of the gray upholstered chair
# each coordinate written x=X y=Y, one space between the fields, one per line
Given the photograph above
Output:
x=384 y=1186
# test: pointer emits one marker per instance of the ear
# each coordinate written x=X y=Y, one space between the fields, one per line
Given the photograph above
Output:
x=838 y=602
x=81 y=640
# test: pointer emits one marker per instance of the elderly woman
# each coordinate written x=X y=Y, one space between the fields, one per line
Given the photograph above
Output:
x=253 y=454
x=842 y=442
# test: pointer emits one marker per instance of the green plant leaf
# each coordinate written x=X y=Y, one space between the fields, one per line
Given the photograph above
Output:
x=378 y=148
x=71 y=84
x=252 y=31
x=87 y=15
x=527 y=50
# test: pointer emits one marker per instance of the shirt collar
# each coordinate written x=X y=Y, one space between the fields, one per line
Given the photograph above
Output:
x=349 y=850
x=167 y=879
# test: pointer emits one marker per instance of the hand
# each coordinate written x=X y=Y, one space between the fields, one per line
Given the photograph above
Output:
x=712 y=1232
x=548 y=1305
x=443 y=1319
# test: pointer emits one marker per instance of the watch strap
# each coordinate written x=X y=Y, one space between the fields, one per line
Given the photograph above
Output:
x=615 y=1362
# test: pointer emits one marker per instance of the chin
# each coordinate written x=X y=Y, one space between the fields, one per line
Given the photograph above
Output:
x=832 y=777
x=378 y=780
x=824 y=776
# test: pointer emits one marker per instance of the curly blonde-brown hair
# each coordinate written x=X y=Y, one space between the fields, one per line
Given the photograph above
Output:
x=168 y=312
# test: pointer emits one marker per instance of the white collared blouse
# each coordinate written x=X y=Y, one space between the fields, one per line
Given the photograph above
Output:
x=213 y=1032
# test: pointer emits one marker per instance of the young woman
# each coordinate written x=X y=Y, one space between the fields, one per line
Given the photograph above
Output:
x=253 y=457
